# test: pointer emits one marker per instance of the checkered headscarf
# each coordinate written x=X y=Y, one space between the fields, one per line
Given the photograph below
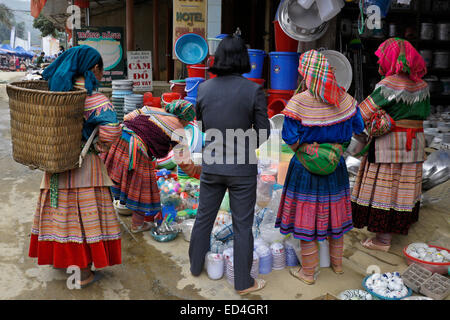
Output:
x=319 y=78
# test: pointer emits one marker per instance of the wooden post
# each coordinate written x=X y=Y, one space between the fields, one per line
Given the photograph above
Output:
x=155 y=40
x=169 y=60
x=130 y=24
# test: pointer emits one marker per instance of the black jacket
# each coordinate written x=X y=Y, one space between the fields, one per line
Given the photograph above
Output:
x=232 y=102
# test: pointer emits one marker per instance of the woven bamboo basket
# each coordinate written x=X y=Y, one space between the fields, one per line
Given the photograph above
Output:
x=46 y=126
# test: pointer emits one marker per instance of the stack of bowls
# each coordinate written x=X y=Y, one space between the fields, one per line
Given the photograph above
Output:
x=229 y=263
x=265 y=259
x=291 y=256
x=133 y=102
x=121 y=88
x=279 y=256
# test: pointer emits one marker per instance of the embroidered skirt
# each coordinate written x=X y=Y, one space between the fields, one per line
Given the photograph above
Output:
x=83 y=229
x=314 y=207
x=386 y=196
x=137 y=189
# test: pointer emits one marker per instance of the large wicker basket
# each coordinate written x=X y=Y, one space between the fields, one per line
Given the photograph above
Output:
x=46 y=126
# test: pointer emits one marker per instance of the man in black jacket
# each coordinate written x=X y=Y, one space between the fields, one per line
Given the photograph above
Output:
x=233 y=114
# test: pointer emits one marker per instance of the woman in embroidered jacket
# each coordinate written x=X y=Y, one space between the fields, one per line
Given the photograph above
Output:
x=313 y=206
x=75 y=222
x=386 y=196
x=148 y=134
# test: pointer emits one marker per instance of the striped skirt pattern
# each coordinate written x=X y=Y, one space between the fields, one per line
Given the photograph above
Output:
x=315 y=207
x=386 y=196
x=83 y=229
x=137 y=189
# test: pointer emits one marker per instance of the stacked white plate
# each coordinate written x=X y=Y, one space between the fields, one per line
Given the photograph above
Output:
x=133 y=102
x=278 y=256
x=122 y=85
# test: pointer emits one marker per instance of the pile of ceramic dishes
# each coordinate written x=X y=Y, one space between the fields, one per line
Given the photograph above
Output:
x=291 y=256
x=426 y=253
x=121 y=88
x=133 y=102
x=278 y=256
x=355 y=294
x=265 y=259
x=388 y=285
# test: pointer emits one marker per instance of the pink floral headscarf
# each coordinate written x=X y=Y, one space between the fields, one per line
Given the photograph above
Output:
x=396 y=56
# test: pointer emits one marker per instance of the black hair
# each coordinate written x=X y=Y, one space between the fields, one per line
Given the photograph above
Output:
x=231 y=56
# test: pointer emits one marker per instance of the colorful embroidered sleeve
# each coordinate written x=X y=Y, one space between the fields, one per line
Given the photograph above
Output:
x=100 y=112
x=372 y=104
x=290 y=132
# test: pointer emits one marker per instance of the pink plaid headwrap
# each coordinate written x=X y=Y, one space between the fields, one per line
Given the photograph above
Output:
x=396 y=56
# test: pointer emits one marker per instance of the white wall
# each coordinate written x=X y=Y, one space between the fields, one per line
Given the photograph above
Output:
x=214 y=18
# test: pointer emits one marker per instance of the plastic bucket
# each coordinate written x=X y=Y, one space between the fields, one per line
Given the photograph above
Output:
x=192 y=86
x=283 y=70
x=256 y=62
x=279 y=94
x=275 y=107
x=156 y=102
x=196 y=71
x=178 y=86
x=148 y=99
x=210 y=64
x=168 y=97
x=282 y=41
x=258 y=81
x=191 y=100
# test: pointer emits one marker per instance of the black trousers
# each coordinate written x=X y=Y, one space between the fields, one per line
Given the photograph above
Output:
x=242 y=192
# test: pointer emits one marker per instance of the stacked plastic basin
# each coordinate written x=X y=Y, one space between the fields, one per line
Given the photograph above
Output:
x=283 y=80
x=133 y=102
x=256 y=57
x=192 y=88
x=121 y=89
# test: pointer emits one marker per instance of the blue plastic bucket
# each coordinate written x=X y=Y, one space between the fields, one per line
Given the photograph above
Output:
x=284 y=70
x=191 y=99
x=192 y=86
x=256 y=62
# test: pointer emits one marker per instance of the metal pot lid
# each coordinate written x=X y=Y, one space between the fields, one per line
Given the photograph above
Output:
x=304 y=18
x=343 y=69
x=299 y=32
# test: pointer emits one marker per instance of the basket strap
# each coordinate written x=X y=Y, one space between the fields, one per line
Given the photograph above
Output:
x=87 y=146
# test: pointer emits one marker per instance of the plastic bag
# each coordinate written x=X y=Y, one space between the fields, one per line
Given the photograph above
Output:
x=270 y=234
x=225 y=205
x=223 y=226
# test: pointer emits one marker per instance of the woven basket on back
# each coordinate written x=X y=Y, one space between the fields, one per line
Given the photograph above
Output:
x=46 y=126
